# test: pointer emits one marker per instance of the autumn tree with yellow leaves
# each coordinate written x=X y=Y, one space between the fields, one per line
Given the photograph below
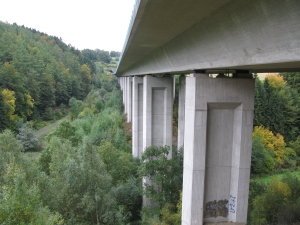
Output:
x=275 y=153
x=10 y=101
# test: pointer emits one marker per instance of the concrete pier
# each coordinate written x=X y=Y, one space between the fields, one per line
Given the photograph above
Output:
x=129 y=99
x=157 y=111
x=125 y=95
x=137 y=117
x=181 y=108
x=217 y=149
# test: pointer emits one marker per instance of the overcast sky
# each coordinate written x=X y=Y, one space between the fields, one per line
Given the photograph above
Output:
x=93 y=24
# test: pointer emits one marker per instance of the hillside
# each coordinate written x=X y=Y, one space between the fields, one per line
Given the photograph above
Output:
x=39 y=73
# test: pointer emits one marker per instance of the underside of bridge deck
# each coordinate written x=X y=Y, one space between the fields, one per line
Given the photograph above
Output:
x=179 y=36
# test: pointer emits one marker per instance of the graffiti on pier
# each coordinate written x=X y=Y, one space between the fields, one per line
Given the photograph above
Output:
x=216 y=208
x=232 y=204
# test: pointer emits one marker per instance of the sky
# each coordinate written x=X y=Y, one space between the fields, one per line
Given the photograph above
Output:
x=85 y=24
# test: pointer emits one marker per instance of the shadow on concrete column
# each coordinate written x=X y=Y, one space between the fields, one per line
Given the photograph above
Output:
x=217 y=150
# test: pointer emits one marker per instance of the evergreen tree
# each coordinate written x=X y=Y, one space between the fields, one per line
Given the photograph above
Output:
x=259 y=103
x=293 y=79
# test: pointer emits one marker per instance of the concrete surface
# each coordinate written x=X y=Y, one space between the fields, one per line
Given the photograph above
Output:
x=157 y=111
x=217 y=147
x=129 y=99
x=181 y=108
x=137 y=117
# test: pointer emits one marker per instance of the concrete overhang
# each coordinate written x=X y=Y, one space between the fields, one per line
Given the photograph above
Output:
x=179 y=36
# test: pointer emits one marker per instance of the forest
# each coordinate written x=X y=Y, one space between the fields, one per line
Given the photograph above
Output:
x=83 y=172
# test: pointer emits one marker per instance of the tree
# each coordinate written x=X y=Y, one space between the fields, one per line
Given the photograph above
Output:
x=259 y=103
x=281 y=110
x=114 y=54
x=10 y=102
x=85 y=78
x=118 y=163
x=274 y=145
x=4 y=122
x=276 y=81
x=47 y=94
x=293 y=79
x=65 y=130
x=29 y=104
x=261 y=162
x=75 y=107
x=27 y=138
x=164 y=175
x=103 y=56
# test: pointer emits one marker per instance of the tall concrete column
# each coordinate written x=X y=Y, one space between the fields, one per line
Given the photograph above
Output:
x=129 y=99
x=121 y=83
x=157 y=111
x=125 y=96
x=217 y=149
x=137 y=117
x=181 y=109
x=122 y=88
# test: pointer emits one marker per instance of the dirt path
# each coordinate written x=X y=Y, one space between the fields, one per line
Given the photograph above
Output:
x=49 y=127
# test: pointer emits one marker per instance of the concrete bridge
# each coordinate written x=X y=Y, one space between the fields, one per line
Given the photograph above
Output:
x=195 y=38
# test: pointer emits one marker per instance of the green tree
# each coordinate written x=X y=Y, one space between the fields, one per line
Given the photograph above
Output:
x=47 y=94
x=293 y=79
x=260 y=160
x=75 y=108
x=259 y=103
x=65 y=130
x=164 y=174
x=103 y=56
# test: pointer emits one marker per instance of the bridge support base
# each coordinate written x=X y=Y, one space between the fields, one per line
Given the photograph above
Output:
x=217 y=149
